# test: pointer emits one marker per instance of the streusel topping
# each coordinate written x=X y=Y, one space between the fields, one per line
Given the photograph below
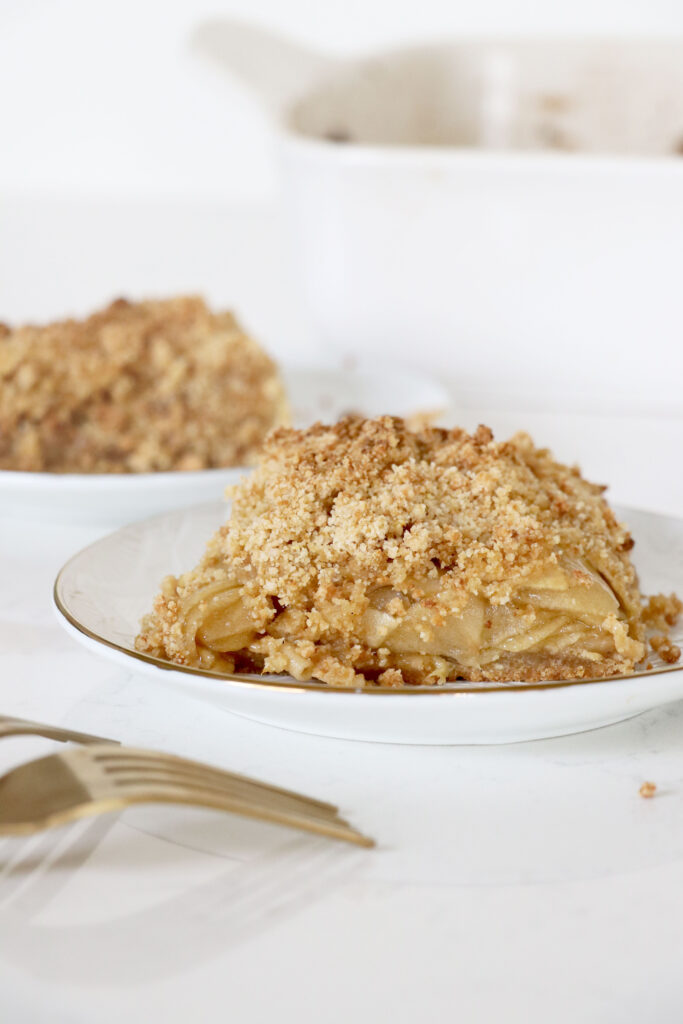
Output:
x=372 y=500
x=135 y=388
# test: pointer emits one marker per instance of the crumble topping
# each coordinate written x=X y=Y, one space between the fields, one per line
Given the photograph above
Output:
x=137 y=387
x=369 y=553
x=648 y=790
x=332 y=506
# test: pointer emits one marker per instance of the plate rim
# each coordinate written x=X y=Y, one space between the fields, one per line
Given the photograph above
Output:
x=110 y=481
x=298 y=686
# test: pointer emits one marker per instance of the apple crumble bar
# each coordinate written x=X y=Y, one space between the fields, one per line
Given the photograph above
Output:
x=365 y=553
x=135 y=388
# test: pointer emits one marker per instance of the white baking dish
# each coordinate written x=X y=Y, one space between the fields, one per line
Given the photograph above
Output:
x=508 y=212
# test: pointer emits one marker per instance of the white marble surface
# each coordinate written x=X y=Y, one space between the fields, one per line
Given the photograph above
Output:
x=528 y=883
x=530 y=879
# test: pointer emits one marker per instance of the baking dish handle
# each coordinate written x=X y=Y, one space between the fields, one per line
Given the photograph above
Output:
x=275 y=68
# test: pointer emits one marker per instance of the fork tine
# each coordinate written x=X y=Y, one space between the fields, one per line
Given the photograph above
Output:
x=207 y=792
x=131 y=775
x=336 y=828
x=63 y=787
x=127 y=754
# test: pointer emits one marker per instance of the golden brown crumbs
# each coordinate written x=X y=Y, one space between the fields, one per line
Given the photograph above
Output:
x=391 y=677
x=648 y=790
x=667 y=651
x=662 y=611
x=137 y=387
x=332 y=505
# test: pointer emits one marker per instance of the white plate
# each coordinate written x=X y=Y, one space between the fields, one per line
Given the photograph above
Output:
x=102 y=592
x=111 y=499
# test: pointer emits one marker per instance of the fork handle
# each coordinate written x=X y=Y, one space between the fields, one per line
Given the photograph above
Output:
x=19 y=727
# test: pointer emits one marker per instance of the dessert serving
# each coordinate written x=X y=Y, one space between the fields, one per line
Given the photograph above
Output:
x=368 y=554
x=137 y=387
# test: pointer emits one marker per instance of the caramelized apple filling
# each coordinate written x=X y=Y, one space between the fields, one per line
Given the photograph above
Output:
x=565 y=608
x=562 y=608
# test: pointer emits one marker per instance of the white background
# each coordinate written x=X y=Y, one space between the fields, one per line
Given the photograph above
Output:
x=102 y=97
x=526 y=884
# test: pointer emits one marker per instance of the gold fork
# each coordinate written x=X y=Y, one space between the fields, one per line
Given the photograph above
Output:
x=94 y=779
x=22 y=727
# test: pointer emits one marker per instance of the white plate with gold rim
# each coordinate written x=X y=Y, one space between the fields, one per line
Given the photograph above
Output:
x=111 y=499
x=103 y=591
